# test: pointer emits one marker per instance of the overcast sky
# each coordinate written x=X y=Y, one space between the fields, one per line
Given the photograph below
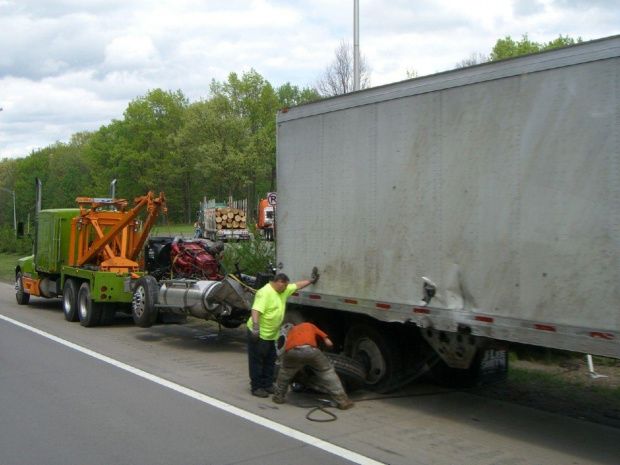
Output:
x=74 y=65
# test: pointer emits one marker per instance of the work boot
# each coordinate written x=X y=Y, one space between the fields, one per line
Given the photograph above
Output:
x=278 y=399
x=270 y=389
x=260 y=392
x=345 y=404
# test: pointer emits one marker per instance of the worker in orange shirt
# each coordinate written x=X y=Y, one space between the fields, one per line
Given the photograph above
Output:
x=301 y=349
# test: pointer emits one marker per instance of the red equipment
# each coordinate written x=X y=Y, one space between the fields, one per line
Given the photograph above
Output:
x=195 y=259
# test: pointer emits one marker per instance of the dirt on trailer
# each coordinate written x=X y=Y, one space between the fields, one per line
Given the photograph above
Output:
x=566 y=388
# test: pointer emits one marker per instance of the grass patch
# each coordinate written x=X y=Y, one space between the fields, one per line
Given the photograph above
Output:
x=541 y=354
x=172 y=230
x=525 y=376
x=7 y=266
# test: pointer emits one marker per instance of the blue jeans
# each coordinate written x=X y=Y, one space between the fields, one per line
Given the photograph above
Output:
x=261 y=361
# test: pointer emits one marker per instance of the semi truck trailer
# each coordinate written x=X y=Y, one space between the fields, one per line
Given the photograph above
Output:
x=453 y=214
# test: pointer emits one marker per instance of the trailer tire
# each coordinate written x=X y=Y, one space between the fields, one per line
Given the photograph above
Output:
x=70 y=300
x=145 y=297
x=379 y=355
x=89 y=311
x=21 y=296
x=352 y=374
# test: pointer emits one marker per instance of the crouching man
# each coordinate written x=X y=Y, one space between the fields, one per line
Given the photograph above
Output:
x=301 y=349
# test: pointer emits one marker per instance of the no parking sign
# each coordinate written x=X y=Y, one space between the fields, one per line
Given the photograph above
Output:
x=271 y=199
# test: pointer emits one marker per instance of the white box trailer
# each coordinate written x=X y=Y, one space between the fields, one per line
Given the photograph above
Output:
x=476 y=205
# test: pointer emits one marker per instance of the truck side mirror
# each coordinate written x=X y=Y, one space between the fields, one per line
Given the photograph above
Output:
x=20 y=229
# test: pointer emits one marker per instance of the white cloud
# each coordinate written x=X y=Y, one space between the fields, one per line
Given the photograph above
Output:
x=70 y=65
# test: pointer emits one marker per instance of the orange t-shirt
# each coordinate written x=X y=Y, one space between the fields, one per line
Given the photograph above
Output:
x=303 y=334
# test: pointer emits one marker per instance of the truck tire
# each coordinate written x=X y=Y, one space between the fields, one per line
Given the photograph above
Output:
x=89 y=311
x=21 y=296
x=352 y=374
x=377 y=353
x=70 y=300
x=145 y=297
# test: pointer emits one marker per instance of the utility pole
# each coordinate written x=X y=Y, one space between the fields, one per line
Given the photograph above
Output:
x=356 y=45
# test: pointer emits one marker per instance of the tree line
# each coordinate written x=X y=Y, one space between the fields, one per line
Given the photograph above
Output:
x=219 y=147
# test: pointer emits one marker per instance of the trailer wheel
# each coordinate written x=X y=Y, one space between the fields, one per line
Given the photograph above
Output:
x=21 y=296
x=145 y=297
x=377 y=353
x=70 y=300
x=89 y=311
x=352 y=374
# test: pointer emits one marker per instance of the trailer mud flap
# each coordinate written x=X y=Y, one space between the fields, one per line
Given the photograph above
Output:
x=493 y=365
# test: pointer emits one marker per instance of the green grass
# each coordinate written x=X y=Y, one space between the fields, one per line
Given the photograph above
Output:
x=184 y=230
x=7 y=266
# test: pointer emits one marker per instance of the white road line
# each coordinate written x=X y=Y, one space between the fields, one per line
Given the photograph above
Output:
x=272 y=425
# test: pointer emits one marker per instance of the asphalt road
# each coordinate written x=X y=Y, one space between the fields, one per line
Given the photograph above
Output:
x=180 y=394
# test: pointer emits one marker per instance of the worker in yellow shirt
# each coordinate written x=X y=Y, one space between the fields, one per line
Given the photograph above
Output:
x=264 y=328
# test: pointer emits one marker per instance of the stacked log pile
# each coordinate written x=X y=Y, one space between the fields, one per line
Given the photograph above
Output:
x=229 y=218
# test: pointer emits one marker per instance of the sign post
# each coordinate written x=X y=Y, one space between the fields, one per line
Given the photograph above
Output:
x=271 y=200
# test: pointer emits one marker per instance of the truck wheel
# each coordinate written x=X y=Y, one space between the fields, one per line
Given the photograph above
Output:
x=89 y=311
x=70 y=300
x=351 y=373
x=145 y=297
x=21 y=296
x=377 y=353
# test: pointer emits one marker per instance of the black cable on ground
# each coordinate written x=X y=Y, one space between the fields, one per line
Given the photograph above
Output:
x=321 y=406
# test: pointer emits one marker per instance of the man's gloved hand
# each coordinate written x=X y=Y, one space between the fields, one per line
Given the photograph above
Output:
x=314 y=277
x=255 y=336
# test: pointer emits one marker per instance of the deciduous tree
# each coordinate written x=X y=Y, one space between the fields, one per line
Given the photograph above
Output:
x=337 y=79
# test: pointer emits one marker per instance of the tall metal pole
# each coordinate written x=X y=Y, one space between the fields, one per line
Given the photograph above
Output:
x=356 y=45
